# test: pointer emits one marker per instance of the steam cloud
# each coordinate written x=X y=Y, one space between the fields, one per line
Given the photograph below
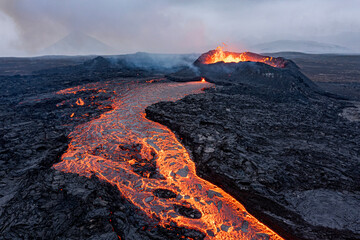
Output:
x=176 y=26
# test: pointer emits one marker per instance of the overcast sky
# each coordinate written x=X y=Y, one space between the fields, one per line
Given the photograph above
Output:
x=176 y=26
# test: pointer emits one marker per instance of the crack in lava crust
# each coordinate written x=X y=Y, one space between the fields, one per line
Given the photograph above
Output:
x=101 y=147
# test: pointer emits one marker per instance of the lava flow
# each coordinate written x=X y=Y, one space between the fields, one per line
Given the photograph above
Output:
x=152 y=169
x=218 y=55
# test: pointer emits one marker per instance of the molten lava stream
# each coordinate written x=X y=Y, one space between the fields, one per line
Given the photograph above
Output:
x=117 y=146
x=218 y=55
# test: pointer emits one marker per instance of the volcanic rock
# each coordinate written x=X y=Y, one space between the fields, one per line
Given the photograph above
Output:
x=268 y=136
x=279 y=144
x=164 y=193
x=39 y=202
x=281 y=82
x=98 y=62
x=188 y=212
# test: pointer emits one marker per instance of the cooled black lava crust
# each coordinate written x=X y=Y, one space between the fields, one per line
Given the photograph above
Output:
x=276 y=142
x=38 y=202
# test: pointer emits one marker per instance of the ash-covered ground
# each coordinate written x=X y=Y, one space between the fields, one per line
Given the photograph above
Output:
x=289 y=152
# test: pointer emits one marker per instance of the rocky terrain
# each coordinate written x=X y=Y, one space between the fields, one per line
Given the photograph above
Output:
x=275 y=141
x=270 y=137
x=323 y=68
x=39 y=202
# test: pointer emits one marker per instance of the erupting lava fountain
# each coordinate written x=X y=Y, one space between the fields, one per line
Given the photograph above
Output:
x=218 y=55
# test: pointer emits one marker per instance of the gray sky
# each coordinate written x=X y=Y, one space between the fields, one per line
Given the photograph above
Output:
x=176 y=26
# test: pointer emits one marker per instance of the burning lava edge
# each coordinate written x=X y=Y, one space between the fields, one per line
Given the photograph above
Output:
x=75 y=156
x=218 y=180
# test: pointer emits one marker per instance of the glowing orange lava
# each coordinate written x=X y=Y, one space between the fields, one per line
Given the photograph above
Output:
x=80 y=102
x=218 y=55
x=104 y=147
x=203 y=80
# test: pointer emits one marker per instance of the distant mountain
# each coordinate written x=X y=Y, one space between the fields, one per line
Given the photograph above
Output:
x=299 y=46
x=348 y=39
x=77 y=43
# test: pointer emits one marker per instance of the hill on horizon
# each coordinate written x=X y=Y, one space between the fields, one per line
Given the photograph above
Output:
x=299 y=46
x=77 y=43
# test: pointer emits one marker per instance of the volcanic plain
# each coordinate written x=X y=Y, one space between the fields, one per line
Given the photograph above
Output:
x=281 y=140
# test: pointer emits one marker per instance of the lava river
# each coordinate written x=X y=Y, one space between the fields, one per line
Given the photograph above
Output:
x=152 y=169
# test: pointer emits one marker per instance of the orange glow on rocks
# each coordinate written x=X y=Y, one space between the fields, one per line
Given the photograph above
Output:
x=218 y=55
x=120 y=147
x=80 y=102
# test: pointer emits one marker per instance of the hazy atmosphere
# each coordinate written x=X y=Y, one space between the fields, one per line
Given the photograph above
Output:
x=180 y=119
x=40 y=27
